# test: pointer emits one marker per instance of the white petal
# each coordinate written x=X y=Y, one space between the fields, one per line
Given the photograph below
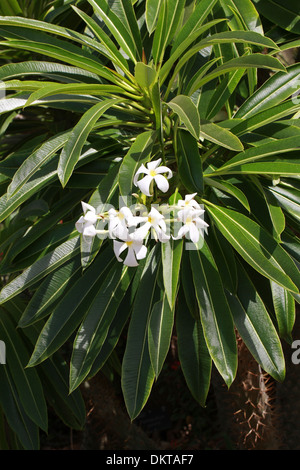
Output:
x=141 y=232
x=112 y=213
x=89 y=231
x=130 y=259
x=90 y=217
x=154 y=164
x=165 y=169
x=80 y=224
x=155 y=214
x=194 y=233
x=140 y=251
x=86 y=207
x=162 y=183
x=144 y=185
x=142 y=169
x=119 y=247
x=181 y=232
x=188 y=197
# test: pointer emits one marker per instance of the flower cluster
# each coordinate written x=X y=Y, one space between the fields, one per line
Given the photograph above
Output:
x=129 y=229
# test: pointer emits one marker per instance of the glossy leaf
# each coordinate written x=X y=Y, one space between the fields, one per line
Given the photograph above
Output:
x=220 y=136
x=69 y=312
x=159 y=332
x=167 y=22
x=40 y=269
x=152 y=11
x=171 y=253
x=256 y=246
x=194 y=357
x=93 y=331
x=137 y=371
x=215 y=314
x=187 y=112
x=72 y=149
x=189 y=162
x=256 y=328
x=120 y=20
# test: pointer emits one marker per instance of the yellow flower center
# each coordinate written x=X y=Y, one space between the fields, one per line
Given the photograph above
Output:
x=121 y=216
x=129 y=243
x=152 y=173
x=150 y=219
x=189 y=220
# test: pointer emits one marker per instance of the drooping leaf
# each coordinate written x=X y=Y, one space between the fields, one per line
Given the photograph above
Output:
x=189 y=162
x=137 y=371
x=159 y=332
x=256 y=246
x=215 y=314
x=187 y=112
x=72 y=149
x=193 y=354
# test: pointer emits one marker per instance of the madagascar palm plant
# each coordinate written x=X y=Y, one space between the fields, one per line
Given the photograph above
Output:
x=152 y=106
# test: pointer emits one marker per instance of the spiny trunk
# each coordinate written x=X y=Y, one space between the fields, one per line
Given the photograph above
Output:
x=246 y=411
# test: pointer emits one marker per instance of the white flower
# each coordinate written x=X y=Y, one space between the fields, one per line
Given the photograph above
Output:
x=154 y=220
x=194 y=226
x=119 y=221
x=153 y=172
x=189 y=202
x=136 y=250
x=86 y=223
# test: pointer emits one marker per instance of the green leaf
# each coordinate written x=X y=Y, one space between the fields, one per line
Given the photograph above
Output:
x=280 y=13
x=120 y=19
x=64 y=53
x=276 y=167
x=72 y=149
x=35 y=161
x=112 y=51
x=284 y=306
x=230 y=188
x=274 y=91
x=27 y=382
x=71 y=309
x=223 y=92
x=137 y=371
x=40 y=269
x=275 y=113
x=256 y=328
x=246 y=12
x=256 y=246
x=26 y=430
x=93 y=331
x=138 y=154
x=153 y=8
x=11 y=7
x=220 y=136
x=186 y=110
x=47 y=69
x=269 y=149
x=193 y=26
x=51 y=290
x=43 y=177
x=171 y=252
x=189 y=162
x=215 y=315
x=159 y=332
x=167 y=23
x=193 y=354
x=255 y=61
x=144 y=74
